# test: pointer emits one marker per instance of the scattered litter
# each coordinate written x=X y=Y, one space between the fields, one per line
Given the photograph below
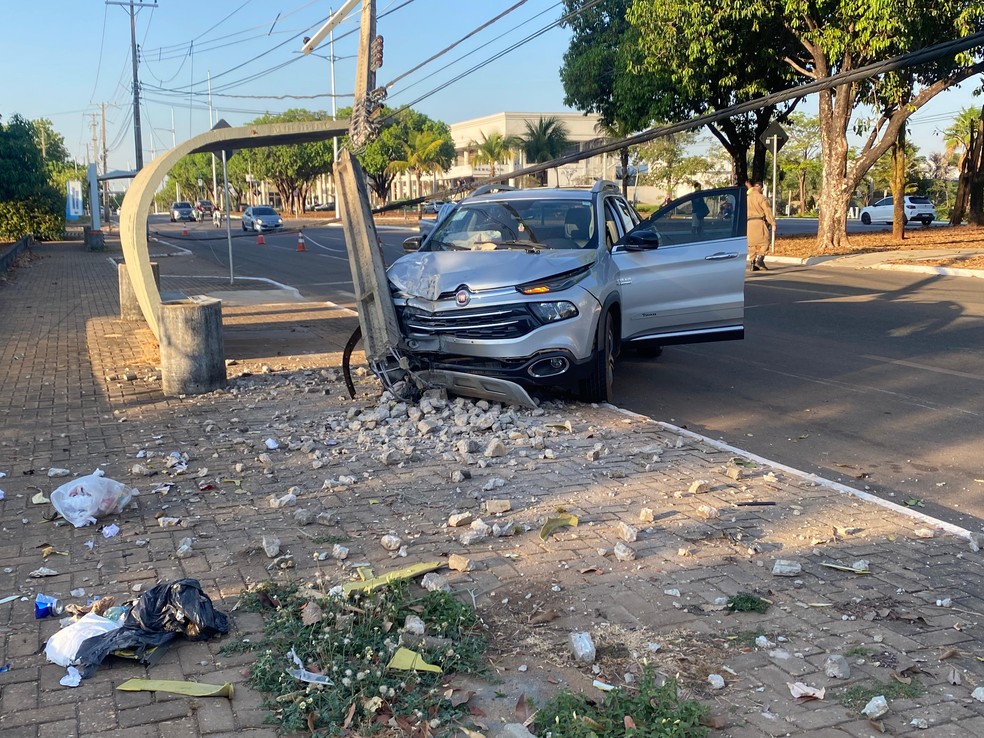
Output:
x=716 y=681
x=271 y=546
x=406 y=660
x=63 y=647
x=183 y=550
x=39 y=499
x=45 y=606
x=72 y=679
x=858 y=567
x=177 y=462
x=87 y=498
x=836 y=667
x=9 y=598
x=168 y=522
x=583 y=647
x=58 y=472
x=554 y=524
x=272 y=443
x=978 y=694
x=111 y=530
x=920 y=723
x=391 y=542
x=77 y=592
x=804 y=692
x=5 y=668
x=408 y=572
x=44 y=571
x=191 y=689
x=2 y=495
x=90 y=544
x=763 y=642
x=944 y=602
x=875 y=708
x=597 y=684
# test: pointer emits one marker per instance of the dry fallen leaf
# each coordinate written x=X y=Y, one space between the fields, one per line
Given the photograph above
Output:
x=804 y=692
x=954 y=676
x=877 y=725
x=899 y=678
x=547 y=616
x=461 y=697
x=628 y=722
x=522 y=709
x=311 y=613
x=348 y=718
x=950 y=653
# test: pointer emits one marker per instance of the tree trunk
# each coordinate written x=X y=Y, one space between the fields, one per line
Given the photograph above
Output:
x=898 y=186
x=802 y=191
x=975 y=179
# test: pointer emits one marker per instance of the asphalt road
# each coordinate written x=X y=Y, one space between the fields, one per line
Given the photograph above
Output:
x=872 y=378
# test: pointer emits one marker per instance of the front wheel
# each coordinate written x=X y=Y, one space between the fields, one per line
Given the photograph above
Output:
x=597 y=387
x=865 y=218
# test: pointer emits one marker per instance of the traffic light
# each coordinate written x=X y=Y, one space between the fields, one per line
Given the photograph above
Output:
x=376 y=53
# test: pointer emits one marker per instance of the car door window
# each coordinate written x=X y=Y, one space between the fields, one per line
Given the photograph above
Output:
x=708 y=215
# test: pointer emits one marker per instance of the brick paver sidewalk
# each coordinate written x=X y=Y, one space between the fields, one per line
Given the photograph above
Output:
x=80 y=390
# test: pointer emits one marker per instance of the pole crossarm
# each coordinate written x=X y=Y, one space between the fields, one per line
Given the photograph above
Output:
x=139 y=198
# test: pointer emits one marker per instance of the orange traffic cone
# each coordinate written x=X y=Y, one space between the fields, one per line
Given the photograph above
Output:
x=259 y=240
x=300 y=241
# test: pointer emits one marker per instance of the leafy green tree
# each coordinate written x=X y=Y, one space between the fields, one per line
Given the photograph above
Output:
x=398 y=141
x=29 y=204
x=545 y=140
x=706 y=57
x=669 y=163
x=800 y=157
x=616 y=130
x=292 y=168
x=495 y=149
x=421 y=155
x=957 y=135
x=187 y=173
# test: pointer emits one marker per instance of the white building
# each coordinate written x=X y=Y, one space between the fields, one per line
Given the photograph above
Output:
x=582 y=133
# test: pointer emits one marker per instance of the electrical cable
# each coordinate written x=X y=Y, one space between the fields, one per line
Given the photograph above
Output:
x=102 y=44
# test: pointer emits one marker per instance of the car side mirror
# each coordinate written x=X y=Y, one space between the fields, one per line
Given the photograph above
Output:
x=413 y=244
x=643 y=240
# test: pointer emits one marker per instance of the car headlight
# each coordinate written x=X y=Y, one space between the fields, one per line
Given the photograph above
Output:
x=551 y=312
x=557 y=283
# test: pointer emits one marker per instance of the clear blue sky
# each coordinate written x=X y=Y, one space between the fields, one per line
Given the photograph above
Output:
x=64 y=58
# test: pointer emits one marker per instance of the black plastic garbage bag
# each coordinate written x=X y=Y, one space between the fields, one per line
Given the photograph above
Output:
x=158 y=616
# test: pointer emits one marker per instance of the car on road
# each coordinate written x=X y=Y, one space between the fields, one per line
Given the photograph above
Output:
x=323 y=207
x=182 y=211
x=261 y=218
x=914 y=208
x=431 y=207
x=545 y=287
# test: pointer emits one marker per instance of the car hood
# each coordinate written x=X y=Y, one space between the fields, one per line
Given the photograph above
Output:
x=429 y=274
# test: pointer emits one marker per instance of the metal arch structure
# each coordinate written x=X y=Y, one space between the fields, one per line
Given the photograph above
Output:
x=136 y=205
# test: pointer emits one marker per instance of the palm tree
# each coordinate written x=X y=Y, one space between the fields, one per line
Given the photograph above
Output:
x=957 y=136
x=422 y=155
x=494 y=149
x=545 y=141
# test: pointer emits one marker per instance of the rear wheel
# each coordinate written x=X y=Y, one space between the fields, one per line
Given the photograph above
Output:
x=927 y=222
x=597 y=387
x=865 y=218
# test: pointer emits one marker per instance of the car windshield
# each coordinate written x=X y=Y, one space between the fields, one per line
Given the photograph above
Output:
x=182 y=205
x=533 y=224
x=264 y=211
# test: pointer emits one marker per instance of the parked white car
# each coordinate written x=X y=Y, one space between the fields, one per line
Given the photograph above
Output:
x=916 y=208
x=261 y=218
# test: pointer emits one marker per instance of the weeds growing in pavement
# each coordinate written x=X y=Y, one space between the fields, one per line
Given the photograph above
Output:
x=859 y=695
x=650 y=711
x=351 y=641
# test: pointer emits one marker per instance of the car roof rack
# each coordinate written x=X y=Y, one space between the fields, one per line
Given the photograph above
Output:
x=605 y=185
x=489 y=188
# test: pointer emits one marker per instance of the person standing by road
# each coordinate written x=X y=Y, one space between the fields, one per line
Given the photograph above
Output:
x=760 y=221
x=698 y=213
x=217 y=217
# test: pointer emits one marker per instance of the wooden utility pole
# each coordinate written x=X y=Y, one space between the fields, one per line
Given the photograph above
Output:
x=105 y=162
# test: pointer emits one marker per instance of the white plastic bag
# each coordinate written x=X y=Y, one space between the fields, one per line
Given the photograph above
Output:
x=83 y=500
x=63 y=646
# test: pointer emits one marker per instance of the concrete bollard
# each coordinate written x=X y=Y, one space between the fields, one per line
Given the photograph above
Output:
x=129 y=307
x=192 y=348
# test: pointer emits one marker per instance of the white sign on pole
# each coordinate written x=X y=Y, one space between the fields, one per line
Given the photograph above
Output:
x=73 y=204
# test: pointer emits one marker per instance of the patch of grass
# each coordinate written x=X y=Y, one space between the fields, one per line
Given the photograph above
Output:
x=234 y=647
x=858 y=651
x=328 y=540
x=746 y=602
x=351 y=640
x=745 y=638
x=656 y=711
x=858 y=695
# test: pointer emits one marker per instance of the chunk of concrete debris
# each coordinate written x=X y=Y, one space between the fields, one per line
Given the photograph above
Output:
x=58 y=472
x=623 y=552
x=139 y=470
x=325 y=518
x=496 y=449
x=497 y=507
x=875 y=708
x=435 y=582
x=303 y=516
x=391 y=457
x=716 y=681
x=785 y=568
x=836 y=667
x=628 y=533
x=733 y=472
x=414 y=625
x=493 y=483
x=271 y=546
x=647 y=515
x=476 y=532
x=184 y=549
x=976 y=541
x=699 y=487
x=504 y=530
x=708 y=512
x=339 y=552
x=168 y=522
x=459 y=520
x=460 y=475
x=583 y=648
x=391 y=542
x=924 y=532
x=456 y=562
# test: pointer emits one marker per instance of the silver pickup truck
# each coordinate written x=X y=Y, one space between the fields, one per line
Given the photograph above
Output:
x=544 y=287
